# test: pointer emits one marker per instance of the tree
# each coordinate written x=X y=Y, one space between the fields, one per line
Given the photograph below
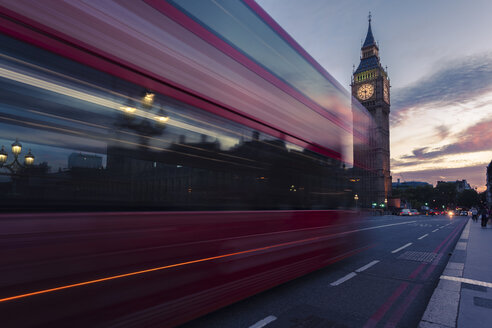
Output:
x=445 y=193
x=468 y=198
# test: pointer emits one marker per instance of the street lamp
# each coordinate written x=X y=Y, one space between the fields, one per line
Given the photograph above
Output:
x=15 y=165
x=356 y=198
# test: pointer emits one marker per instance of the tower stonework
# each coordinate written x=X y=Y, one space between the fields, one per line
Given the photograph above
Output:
x=371 y=87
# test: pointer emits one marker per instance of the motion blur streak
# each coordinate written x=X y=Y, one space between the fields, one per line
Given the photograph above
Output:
x=195 y=261
x=153 y=269
x=84 y=96
x=165 y=267
x=181 y=144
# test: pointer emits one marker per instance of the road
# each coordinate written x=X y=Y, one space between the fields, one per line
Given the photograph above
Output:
x=387 y=285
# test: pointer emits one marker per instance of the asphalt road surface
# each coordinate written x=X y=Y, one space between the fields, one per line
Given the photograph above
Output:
x=386 y=285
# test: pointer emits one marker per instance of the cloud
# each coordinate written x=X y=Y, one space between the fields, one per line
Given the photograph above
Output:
x=456 y=82
x=475 y=175
x=442 y=131
x=476 y=138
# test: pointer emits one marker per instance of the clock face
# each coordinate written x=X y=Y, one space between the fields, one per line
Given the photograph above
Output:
x=386 y=93
x=365 y=91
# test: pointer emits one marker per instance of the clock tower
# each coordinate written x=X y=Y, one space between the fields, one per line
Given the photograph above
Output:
x=371 y=87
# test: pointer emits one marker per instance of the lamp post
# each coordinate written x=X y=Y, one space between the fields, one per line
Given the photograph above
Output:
x=356 y=198
x=15 y=166
x=141 y=116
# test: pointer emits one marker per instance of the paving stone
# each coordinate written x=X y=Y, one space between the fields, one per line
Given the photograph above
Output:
x=461 y=246
x=449 y=285
x=442 y=308
x=424 y=324
x=454 y=265
x=453 y=272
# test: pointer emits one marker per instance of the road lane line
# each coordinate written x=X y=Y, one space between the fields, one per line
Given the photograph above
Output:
x=378 y=315
x=399 y=249
x=435 y=230
x=400 y=311
x=343 y=279
x=468 y=281
x=367 y=266
x=264 y=322
x=422 y=237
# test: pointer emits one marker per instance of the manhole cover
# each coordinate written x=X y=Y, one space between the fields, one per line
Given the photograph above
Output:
x=427 y=257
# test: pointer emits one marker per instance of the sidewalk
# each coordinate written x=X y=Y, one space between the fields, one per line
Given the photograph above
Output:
x=463 y=297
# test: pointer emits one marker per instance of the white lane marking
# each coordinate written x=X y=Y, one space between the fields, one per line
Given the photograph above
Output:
x=422 y=237
x=264 y=322
x=382 y=226
x=468 y=281
x=399 y=249
x=367 y=266
x=435 y=230
x=343 y=279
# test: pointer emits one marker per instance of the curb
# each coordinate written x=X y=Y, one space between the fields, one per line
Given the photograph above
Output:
x=442 y=310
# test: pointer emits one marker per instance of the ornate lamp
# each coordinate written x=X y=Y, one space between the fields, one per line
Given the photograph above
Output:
x=29 y=158
x=16 y=147
x=15 y=165
x=3 y=156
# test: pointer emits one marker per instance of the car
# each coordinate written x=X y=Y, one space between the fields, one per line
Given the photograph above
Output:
x=414 y=212
x=405 y=212
x=434 y=212
x=464 y=213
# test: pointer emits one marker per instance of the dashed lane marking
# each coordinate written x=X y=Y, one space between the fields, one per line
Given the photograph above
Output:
x=264 y=322
x=367 y=266
x=344 y=279
x=422 y=237
x=399 y=249
x=435 y=230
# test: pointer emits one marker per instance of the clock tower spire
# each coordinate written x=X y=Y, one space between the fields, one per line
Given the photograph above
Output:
x=371 y=87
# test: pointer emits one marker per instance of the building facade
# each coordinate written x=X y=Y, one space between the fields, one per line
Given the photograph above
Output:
x=488 y=192
x=371 y=87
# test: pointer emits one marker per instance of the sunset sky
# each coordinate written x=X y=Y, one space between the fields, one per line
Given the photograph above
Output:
x=439 y=58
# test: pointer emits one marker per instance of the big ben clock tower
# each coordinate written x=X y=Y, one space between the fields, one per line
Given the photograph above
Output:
x=371 y=86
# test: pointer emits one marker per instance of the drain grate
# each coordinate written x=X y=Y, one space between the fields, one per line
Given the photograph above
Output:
x=426 y=257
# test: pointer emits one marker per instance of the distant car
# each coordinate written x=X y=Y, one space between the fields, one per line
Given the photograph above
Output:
x=464 y=213
x=414 y=212
x=405 y=212
x=434 y=212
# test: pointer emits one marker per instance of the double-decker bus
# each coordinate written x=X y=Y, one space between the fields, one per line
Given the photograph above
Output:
x=162 y=159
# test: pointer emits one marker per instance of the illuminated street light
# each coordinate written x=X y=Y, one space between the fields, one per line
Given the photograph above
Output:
x=16 y=147
x=162 y=116
x=29 y=158
x=143 y=116
x=148 y=99
x=15 y=165
x=3 y=156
